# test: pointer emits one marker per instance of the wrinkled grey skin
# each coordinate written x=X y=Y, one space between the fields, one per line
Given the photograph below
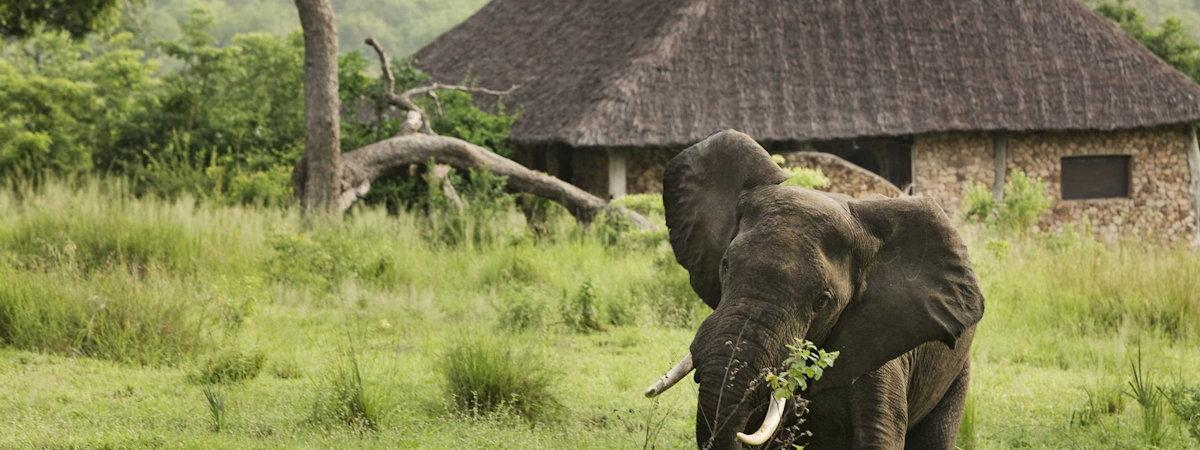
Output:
x=886 y=282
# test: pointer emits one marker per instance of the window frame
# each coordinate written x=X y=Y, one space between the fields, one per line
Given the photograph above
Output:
x=1128 y=170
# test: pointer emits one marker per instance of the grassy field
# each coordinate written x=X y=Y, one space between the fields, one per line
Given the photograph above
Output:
x=144 y=323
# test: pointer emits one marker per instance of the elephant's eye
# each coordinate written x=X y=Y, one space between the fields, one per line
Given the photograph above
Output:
x=724 y=265
x=823 y=300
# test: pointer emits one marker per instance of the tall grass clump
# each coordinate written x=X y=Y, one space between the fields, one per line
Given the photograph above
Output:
x=581 y=310
x=489 y=375
x=1149 y=396
x=215 y=401
x=229 y=366
x=345 y=399
x=113 y=315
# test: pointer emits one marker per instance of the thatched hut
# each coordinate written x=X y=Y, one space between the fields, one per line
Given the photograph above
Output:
x=930 y=95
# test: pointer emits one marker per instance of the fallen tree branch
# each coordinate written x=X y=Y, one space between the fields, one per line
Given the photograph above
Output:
x=362 y=166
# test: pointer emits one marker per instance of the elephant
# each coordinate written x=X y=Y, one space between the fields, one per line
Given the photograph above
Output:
x=886 y=282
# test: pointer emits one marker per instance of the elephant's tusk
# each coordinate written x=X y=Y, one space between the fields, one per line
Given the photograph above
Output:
x=673 y=376
x=769 y=426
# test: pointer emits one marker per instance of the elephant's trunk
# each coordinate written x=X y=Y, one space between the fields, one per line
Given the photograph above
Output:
x=732 y=351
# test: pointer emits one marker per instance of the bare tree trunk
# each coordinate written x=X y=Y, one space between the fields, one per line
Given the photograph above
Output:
x=317 y=174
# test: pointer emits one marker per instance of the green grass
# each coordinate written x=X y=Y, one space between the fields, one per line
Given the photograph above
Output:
x=113 y=308
x=486 y=375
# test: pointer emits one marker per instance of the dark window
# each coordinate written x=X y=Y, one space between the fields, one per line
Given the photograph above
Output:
x=1095 y=177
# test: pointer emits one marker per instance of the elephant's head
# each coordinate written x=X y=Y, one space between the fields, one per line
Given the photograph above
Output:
x=870 y=278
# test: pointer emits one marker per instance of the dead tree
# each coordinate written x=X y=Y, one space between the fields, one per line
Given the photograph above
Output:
x=417 y=143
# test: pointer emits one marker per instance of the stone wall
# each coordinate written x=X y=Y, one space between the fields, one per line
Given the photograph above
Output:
x=844 y=177
x=1159 y=204
x=646 y=168
x=945 y=165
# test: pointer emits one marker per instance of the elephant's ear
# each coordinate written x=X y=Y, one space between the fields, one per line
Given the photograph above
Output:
x=919 y=287
x=701 y=187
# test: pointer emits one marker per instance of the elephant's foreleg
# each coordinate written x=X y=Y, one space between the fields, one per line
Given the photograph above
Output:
x=939 y=429
x=879 y=407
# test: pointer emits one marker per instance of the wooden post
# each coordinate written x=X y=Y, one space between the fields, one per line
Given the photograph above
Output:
x=1193 y=153
x=999 y=164
x=616 y=173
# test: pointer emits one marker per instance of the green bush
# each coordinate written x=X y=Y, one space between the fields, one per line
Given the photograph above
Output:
x=512 y=268
x=487 y=375
x=307 y=260
x=806 y=178
x=669 y=295
x=581 y=310
x=522 y=310
x=229 y=366
x=1185 y=403
x=1024 y=202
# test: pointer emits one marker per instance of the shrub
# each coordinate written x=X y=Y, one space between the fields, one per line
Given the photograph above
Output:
x=521 y=310
x=344 y=397
x=301 y=259
x=486 y=375
x=1102 y=402
x=669 y=293
x=806 y=178
x=581 y=311
x=230 y=366
x=513 y=267
x=485 y=220
x=1023 y=204
x=1150 y=398
x=1185 y=403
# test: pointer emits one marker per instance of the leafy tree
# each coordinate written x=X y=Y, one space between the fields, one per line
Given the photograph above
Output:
x=62 y=99
x=22 y=18
x=1169 y=40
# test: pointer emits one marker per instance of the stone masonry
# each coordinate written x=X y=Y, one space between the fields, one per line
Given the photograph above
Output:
x=1159 y=204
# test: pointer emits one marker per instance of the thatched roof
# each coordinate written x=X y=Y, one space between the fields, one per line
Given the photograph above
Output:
x=670 y=72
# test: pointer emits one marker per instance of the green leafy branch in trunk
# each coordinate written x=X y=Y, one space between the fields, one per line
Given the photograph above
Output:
x=804 y=362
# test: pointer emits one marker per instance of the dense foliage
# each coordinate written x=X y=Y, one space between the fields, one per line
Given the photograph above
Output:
x=224 y=123
x=78 y=17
